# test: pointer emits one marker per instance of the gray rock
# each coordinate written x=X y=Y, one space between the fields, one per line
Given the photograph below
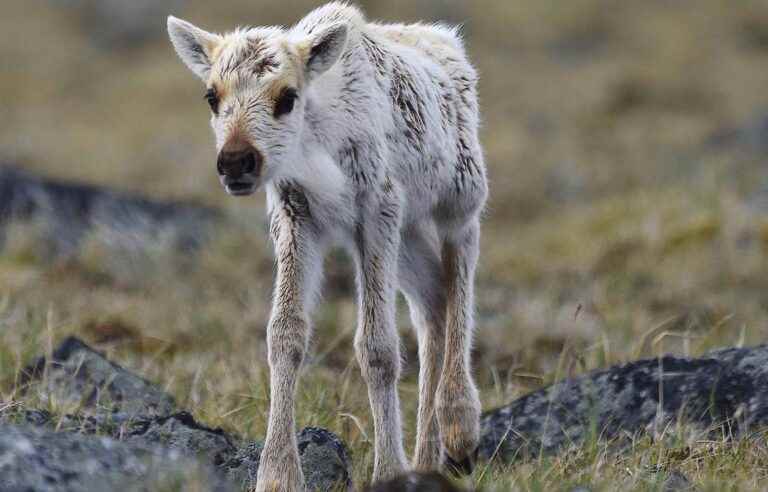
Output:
x=180 y=431
x=133 y=411
x=66 y=213
x=243 y=466
x=751 y=136
x=727 y=387
x=324 y=461
x=39 y=459
x=110 y=425
x=78 y=374
x=324 y=458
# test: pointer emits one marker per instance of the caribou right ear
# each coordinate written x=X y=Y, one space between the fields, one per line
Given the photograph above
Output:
x=193 y=45
x=323 y=49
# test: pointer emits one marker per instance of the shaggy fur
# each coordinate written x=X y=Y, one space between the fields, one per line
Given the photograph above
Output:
x=379 y=154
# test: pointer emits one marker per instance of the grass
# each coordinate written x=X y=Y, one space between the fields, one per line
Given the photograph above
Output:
x=615 y=230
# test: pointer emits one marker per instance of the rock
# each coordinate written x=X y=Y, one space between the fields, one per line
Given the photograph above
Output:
x=111 y=425
x=39 y=459
x=78 y=374
x=748 y=371
x=324 y=459
x=181 y=432
x=415 y=482
x=751 y=136
x=728 y=386
x=125 y=407
x=67 y=212
x=243 y=466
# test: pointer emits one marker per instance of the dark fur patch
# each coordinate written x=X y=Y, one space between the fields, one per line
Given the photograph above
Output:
x=253 y=58
x=376 y=55
x=447 y=106
x=349 y=160
x=352 y=151
x=294 y=201
x=407 y=101
x=467 y=168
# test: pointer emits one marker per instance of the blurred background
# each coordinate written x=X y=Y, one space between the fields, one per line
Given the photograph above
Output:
x=627 y=146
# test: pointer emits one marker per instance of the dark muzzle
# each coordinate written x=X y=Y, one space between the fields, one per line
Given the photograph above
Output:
x=237 y=164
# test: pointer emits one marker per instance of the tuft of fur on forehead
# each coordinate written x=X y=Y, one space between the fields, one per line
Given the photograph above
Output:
x=248 y=54
x=251 y=51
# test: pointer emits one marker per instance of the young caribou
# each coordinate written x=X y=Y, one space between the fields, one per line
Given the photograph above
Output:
x=364 y=135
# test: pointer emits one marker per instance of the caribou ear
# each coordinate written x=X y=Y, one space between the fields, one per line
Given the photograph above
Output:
x=193 y=45
x=323 y=49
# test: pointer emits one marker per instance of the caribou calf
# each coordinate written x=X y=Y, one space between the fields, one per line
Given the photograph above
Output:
x=364 y=135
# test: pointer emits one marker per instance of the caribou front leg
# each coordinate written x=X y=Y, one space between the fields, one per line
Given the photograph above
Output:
x=299 y=261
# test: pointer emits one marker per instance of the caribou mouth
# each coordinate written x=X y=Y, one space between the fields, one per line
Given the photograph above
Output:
x=240 y=188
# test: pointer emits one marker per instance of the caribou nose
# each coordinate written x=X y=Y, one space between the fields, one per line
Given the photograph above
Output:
x=234 y=163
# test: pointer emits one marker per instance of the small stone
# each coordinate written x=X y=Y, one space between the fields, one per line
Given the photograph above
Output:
x=324 y=459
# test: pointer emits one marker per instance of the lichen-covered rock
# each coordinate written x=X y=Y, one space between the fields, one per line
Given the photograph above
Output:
x=725 y=386
x=67 y=213
x=137 y=414
x=39 y=459
x=324 y=461
x=181 y=432
x=78 y=374
x=243 y=466
x=751 y=135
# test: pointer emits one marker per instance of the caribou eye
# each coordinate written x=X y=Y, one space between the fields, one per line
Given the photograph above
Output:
x=285 y=102
x=213 y=100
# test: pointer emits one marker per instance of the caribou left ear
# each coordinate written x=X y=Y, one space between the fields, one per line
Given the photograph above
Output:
x=323 y=49
x=193 y=45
